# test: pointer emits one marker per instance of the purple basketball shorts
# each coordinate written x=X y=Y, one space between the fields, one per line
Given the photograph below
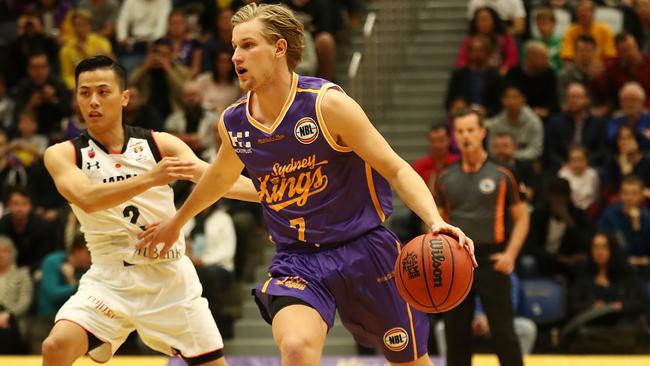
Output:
x=357 y=278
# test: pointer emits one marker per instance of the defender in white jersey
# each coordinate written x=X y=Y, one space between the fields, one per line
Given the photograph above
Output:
x=116 y=180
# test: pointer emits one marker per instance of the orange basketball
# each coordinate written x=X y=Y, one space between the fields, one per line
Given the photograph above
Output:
x=433 y=273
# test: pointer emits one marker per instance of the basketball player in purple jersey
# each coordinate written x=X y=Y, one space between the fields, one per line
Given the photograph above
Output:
x=322 y=172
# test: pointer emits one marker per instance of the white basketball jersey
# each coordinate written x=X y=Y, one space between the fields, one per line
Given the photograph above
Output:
x=111 y=234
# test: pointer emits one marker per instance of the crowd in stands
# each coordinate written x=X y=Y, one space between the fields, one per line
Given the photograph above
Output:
x=565 y=89
x=181 y=78
x=564 y=85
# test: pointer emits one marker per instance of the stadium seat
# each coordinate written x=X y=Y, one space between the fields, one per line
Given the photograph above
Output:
x=545 y=300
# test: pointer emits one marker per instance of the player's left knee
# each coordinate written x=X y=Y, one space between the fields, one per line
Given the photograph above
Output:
x=54 y=347
x=297 y=347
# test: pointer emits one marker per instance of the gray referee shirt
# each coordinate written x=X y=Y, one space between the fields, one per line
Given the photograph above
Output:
x=479 y=202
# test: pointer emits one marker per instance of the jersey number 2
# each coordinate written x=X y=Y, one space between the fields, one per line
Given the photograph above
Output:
x=299 y=224
x=133 y=212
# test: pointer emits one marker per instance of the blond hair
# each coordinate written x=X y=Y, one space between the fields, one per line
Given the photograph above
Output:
x=279 y=23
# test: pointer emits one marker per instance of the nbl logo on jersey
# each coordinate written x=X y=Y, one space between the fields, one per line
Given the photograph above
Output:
x=306 y=130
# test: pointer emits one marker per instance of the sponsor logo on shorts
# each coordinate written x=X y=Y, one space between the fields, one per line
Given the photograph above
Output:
x=437 y=257
x=410 y=265
x=100 y=305
x=486 y=185
x=306 y=130
x=292 y=282
x=396 y=339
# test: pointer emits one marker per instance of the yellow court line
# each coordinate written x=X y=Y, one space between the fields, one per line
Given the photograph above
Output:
x=479 y=360
x=86 y=361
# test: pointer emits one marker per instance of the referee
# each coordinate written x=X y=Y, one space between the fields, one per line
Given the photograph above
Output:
x=482 y=197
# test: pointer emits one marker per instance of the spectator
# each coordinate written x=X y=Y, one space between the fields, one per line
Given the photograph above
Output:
x=576 y=126
x=631 y=65
x=219 y=40
x=30 y=40
x=559 y=234
x=503 y=149
x=602 y=34
x=429 y=167
x=160 y=79
x=309 y=63
x=104 y=14
x=139 y=113
x=536 y=80
x=440 y=155
x=33 y=237
x=628 y=160
x=82 y=44
x=606 y=294
x=7 y=106
x=218 y=86
x=74 y=124
x=469 y=189
x=12 y=173
x=585 y=68
x=47 y=202
x=477 y=83
x=213 y=246
x=323 y=28
x=193 y=124
x=43 y=94
x=582 y=178
x=61 y=273
x=16 y=291
x=512 y=12
x=643 y=13
x=504 y=49
x=28 y=146
x=545 y=20
x=634 y=114
x=55 y=16
x=140 y=23
x=185 y=48
x=525 y=328
x=629 y=222
x=521 y=122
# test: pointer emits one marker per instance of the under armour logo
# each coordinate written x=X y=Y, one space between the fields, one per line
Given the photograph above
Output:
x=89 y=166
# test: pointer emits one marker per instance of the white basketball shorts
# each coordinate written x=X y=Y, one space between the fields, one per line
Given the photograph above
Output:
x=162 y=301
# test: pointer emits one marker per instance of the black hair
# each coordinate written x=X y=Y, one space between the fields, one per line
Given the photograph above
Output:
x=616 y=266
x=79 y=242
x=101 y=62
x=622 y=37
x=586 y=38
x=468 y=111
x=19 y=190
x=499 y=27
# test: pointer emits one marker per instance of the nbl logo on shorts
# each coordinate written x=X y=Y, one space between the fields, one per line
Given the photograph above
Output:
x=306 y=130
x=396 y=339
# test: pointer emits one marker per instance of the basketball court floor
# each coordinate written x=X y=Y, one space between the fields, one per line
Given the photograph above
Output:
x=479 y=360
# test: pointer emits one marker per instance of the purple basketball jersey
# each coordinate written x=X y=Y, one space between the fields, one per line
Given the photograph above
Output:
x=312 y=189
